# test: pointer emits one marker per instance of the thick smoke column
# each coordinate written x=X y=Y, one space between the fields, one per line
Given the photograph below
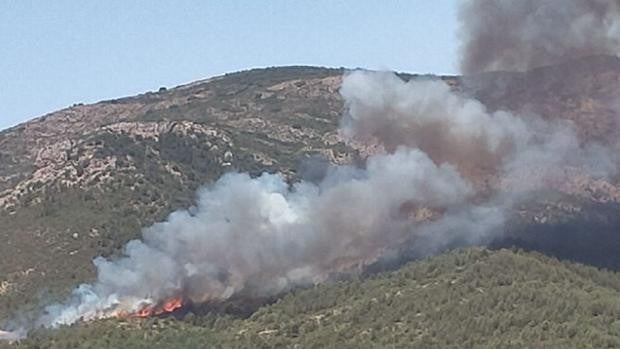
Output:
x=255 y=237
x=524 y=34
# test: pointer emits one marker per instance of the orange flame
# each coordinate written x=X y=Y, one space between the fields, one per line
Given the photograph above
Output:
x=172 y=305
x=167 y=307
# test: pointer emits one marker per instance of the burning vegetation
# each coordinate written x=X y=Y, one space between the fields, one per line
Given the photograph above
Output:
x=166 y=307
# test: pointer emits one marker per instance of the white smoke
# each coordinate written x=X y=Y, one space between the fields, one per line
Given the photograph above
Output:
x=257 y=237
x=12 y=336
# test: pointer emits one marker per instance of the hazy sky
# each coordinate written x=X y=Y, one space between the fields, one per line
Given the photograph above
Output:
x=56 y=53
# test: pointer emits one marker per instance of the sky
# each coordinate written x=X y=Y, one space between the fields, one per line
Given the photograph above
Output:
x=57 y=53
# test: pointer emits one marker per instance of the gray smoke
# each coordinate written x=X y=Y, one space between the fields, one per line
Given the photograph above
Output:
x=524 y=34
x=435 y=180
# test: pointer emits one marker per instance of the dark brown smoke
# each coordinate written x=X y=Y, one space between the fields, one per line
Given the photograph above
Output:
x=524 y=34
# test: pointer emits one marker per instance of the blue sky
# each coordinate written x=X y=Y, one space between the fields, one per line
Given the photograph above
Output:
x=56 y=53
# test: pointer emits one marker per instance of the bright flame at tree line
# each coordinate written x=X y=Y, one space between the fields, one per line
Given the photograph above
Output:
x=168 y=306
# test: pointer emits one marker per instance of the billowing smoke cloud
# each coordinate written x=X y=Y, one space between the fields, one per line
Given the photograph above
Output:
x=436 y=179
x=427 y=116
x=484 y=147
x=524 y=34
x=258 y=237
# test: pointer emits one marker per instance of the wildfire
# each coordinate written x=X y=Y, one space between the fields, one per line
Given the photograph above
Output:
x=167 y=307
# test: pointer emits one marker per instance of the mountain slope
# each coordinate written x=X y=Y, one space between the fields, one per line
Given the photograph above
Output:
x=80 y=182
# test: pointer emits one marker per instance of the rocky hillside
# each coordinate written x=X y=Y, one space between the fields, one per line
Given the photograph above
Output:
x=80 y=182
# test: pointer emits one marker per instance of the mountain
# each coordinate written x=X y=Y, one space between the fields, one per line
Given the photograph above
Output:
x=81 y=182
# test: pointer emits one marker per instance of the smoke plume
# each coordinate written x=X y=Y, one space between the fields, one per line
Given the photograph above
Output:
x=520 y=35
x=257 y=237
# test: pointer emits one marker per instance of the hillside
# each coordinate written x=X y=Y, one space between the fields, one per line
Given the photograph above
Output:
x=473 y=298
x=81 y=182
